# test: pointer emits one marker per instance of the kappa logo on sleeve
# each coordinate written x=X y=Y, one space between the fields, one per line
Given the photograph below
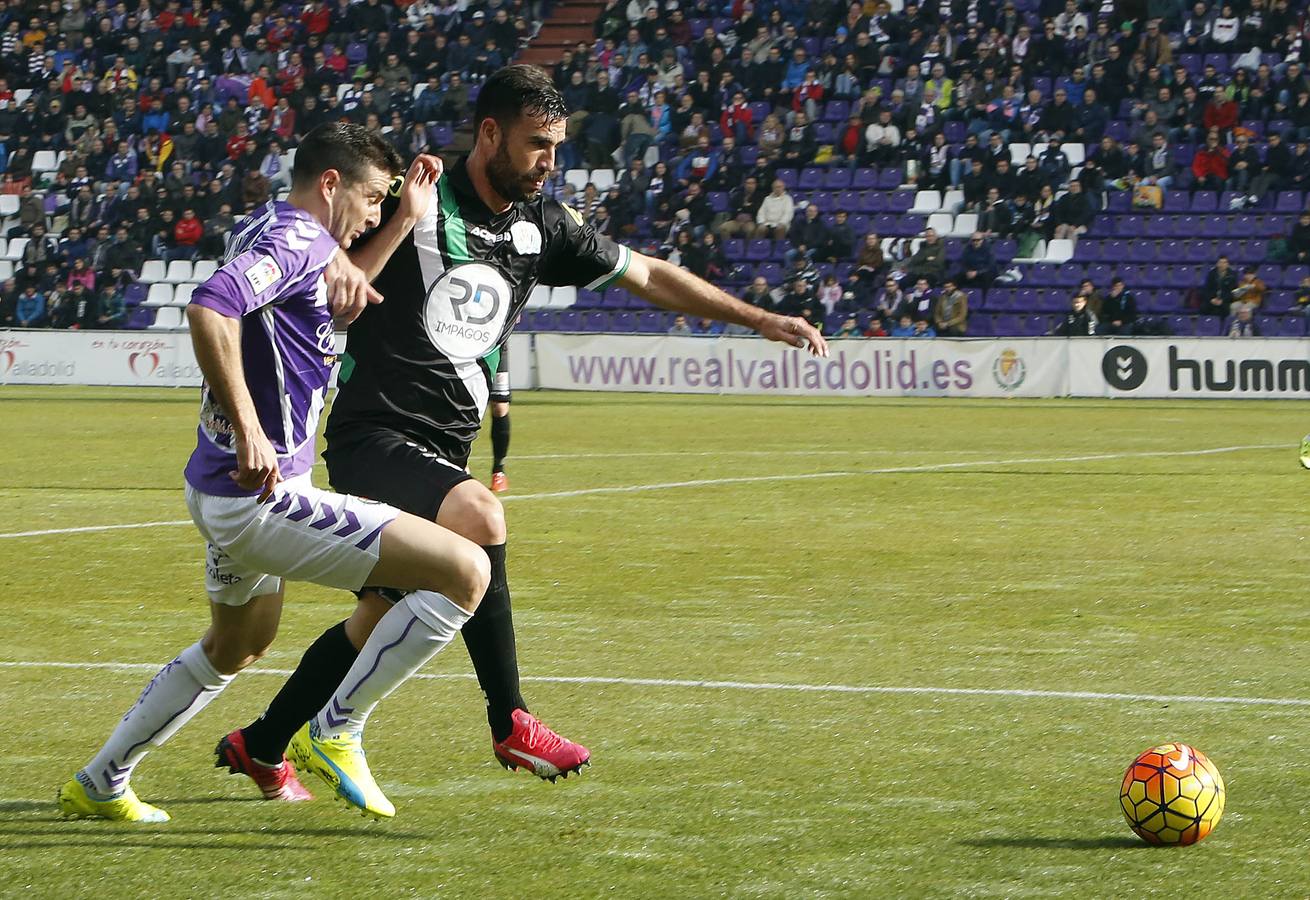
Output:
x=263 y=274
x=573 y=214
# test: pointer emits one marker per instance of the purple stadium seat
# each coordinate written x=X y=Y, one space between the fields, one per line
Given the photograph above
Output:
x=1154 y=277
x=1119 y=202
x=864 y=178
x=1204 y=202
x=1166 y=301
x=1291 y=326
x=718 y=201
x=568 y=320
x=1269 y=326
x=1006 y=326
x=623 y=322
x=998 y=300
x=837 y=179
x=1176 y=201
x=760 y=109
x=1181 y=326
x=787 y=177
x=869 y=201
x=1209 y=326
x=1288 y=201
x=1053 y=302
x=1041 y=84
x=770 y=272
x=1067 y=275
x=859 y=223
x=1117 y=129
x=811 y=179
x=955 y=132
x=1027 y=299
x=890 y=179
x=1035 y=326
x=954 y=250
x=837 y=111
x=1282 y=126
x=901 y=201
x=826 y=201
x=1101 y=273
x=979 y=326
x=1219 y=61
x=759 y=249
x=650 y=323
x=1292 y=275
x=613 y=298
x=1192 y=62
x=1088 y=250
x=734 y=249
x=749 y=155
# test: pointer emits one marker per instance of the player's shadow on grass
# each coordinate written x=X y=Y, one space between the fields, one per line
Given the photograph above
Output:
x=1056 y=843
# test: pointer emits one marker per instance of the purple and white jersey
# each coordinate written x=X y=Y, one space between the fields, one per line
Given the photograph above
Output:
x=272 y=280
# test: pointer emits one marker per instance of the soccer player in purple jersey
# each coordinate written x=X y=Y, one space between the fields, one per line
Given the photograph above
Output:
x=263 y=335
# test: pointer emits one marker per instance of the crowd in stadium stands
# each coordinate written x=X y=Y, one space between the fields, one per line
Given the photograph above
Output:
x=875 y=167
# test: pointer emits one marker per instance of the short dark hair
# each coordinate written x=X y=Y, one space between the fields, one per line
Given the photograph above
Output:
x=516 y=91
x=349 y=148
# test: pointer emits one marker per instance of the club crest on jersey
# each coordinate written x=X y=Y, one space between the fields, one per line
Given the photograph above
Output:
x=466 y=309
x=527 y=238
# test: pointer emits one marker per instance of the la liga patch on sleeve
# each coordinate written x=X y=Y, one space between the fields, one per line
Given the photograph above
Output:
x=263 y=273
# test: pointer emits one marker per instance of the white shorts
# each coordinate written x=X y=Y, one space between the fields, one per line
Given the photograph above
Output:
x=301 y=533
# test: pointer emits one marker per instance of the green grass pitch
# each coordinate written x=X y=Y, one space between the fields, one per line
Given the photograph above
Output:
x=783 y=549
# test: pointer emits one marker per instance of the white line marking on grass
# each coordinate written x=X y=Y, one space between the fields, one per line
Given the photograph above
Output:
x=1021 y=693
x=750 y=479
x=90 y=528
x=894 y=470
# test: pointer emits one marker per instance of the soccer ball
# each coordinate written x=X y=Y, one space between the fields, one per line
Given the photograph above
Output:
x=1172 y=794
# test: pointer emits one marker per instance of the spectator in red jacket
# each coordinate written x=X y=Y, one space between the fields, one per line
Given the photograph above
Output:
x=1210 y=165
x=807 y=96
x=187 y=234
x=738 y=120
x=1220 y=113
x=317 y=18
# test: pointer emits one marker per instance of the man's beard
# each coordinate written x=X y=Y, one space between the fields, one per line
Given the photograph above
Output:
x=512 y=185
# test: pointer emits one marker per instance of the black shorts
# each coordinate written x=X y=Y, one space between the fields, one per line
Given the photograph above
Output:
x=386 y=466
x=500 y=381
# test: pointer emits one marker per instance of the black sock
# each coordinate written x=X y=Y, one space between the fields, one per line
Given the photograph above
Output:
x=489 y=637
x=499 y=442
x=321 y=670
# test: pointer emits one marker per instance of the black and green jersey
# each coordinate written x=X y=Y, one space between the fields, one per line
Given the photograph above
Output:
x=421 y=362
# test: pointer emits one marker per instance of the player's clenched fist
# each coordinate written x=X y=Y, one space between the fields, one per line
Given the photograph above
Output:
x=256 y=464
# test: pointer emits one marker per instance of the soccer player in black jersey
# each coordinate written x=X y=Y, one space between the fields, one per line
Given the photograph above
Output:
x=416 y=379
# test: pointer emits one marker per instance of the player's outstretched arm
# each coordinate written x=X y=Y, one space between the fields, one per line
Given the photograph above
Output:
x=415 y=198
x=217 y=342
x=666 y=285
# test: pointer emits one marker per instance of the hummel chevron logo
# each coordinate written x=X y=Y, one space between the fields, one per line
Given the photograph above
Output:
x=1124 y=367
x=300 y=235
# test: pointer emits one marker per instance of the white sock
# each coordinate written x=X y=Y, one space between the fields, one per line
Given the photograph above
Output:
x=408 y=636
x=180 y=690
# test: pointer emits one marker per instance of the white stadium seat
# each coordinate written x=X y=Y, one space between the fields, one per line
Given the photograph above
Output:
x=941 y=223
x=21 y=95
x=1020 y=152
x=8 y=204
x=6 y=269
x=539 y=297
x=965 y=225
x=1075 y=153
x=153 y=270
x=203 y=268
x=169 y=317
x=15 y=249
x=926 y=203
x=577 y=178
x=44 y=161
x=952 y=201
x=602 y=179
x=563 y=297
x=1059 y=250
x=160 y=294
x=182 y=294
x=652 y=156
x=179 y=270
